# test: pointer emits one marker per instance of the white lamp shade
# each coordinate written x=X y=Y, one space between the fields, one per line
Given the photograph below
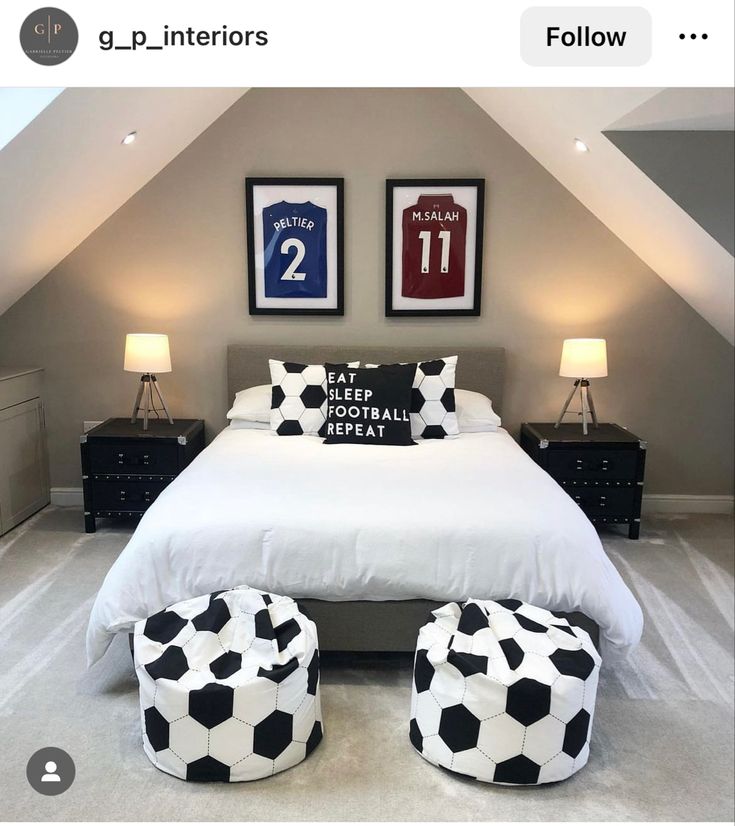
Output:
x=147 y=353
x=583 y=358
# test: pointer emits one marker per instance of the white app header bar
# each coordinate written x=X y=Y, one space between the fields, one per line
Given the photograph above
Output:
x=380 y=43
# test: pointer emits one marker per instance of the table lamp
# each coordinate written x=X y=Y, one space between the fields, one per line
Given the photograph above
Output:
x=148 y=354
x=583 y=359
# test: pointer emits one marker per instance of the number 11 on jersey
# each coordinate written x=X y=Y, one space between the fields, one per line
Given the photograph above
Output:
x=445 y=236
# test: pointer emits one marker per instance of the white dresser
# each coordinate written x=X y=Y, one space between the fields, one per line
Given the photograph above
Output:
x=24 y=480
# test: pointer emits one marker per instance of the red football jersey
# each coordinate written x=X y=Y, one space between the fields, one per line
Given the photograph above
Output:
x=434 y=233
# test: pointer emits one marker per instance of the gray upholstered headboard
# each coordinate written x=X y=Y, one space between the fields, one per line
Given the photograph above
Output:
x=479 y=368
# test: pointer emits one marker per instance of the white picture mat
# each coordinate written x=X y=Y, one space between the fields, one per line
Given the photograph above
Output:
x=406 y=196
x=265 y=195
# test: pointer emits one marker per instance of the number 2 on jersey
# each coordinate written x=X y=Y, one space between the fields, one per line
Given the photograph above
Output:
x=445 y=236
x=291 y=274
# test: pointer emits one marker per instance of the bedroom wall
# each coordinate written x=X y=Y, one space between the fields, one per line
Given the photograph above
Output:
x=172 y=259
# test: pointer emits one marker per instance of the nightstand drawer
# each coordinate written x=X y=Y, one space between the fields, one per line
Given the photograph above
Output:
x=602 y=501
x=125 y=468
x=128 y=496
x=122 y=457
x=593 y=464
x=602 y=471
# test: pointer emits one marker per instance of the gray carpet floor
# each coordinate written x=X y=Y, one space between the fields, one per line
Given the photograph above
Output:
x=662 y=747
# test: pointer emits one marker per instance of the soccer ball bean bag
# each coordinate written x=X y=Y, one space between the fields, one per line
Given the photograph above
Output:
x=504 y=692
x=229 y=686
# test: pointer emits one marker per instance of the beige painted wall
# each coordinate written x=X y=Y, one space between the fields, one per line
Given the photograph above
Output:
x=172 y=259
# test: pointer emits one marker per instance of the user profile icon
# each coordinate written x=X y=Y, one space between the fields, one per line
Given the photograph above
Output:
x=50 y=771
x=50 y=776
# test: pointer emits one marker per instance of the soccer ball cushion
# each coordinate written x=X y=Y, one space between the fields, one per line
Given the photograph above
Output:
x=299 y=398
x=229 y=686
x=433 y=404
x=504 y=692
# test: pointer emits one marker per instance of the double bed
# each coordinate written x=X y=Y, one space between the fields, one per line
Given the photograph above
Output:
x=366 y=537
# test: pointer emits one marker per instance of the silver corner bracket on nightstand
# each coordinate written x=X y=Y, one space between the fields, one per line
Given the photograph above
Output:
x=83 y=439
x=643 y=445
x=543 y=444
x=181 y=440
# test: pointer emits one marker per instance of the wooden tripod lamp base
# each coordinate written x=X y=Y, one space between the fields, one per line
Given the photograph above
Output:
x=583 y=357
x=145 y=401
x=586 y=403
x=148 y=354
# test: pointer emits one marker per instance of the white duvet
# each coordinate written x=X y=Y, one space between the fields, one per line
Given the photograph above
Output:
x=444 y=520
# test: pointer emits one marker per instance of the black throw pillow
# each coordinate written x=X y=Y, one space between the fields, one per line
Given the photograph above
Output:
x=369 y=407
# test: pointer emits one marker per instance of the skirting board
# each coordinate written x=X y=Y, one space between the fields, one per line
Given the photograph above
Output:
x=652 y=503
x=682 y=503
x=67 y=497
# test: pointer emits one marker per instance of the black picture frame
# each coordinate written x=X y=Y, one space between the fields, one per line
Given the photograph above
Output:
x=447 y=185
x=259 y=308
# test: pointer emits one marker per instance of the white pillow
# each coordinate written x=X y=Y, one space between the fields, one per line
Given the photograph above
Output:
x=252 y=405
x=475 y=412
x=243 y=424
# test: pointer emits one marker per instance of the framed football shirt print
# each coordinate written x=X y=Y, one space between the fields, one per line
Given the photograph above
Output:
x=434 y=231
x=295 y=245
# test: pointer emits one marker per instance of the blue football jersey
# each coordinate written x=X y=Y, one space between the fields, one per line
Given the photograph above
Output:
x=295 y=241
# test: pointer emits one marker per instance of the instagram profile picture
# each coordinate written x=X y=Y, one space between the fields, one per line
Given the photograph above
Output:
x=49 y=36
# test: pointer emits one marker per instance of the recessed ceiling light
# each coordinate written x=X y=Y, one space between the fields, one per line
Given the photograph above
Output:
x=129 y=138
x=580 y=145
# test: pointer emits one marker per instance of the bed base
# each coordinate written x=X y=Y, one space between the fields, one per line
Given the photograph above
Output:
x=392 y=625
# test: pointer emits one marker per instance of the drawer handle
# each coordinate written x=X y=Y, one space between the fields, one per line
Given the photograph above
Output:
x=132 y=461
x=603 y=465
x=146 y=497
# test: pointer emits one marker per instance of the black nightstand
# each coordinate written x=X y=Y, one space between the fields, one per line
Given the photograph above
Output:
x=124 y=468
x=602 y=472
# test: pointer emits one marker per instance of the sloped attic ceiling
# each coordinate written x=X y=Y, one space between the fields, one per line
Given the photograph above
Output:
x=668 y=216
x=66 y=171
